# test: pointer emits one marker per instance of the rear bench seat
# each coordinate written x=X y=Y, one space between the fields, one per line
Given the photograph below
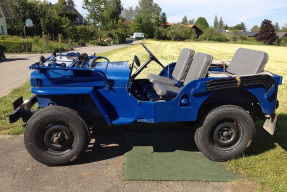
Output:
x=244 y=62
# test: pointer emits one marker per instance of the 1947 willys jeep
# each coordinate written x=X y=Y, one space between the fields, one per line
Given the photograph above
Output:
x=222 y=101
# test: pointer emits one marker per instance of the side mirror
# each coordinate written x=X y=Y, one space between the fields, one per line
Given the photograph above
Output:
x=137 y=60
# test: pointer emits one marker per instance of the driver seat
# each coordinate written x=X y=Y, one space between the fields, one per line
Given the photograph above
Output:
x=180 y=70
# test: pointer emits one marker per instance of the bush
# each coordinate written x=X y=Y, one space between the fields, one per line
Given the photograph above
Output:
x=116 y=36
x=16 y=46
x=82 y=43
x=87 y=33
x=119 y=37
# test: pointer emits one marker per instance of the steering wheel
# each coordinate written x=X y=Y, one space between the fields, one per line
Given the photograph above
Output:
x=152 y=57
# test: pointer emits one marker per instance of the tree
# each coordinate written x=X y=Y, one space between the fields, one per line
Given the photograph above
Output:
x=215 y=23
x=242 y=26
x=226 y=27
x=185 y=32
x=284 y=29
x=128 y=14
x=234 y=35
x=242 y=37
x=201 y=23
x=137 y=24
x=193 y=34
x=95 y=10
x=163 y=20
x=71 y=2
x=150 y=13
x=174 y=32
x=212 y=34
x=62 y=2
x=160 y=33
x=184 y=21
x=267 y=33
x=111 y=14
x=191 y=22
x=221 y=23
x=276 y=27
x=255 y=28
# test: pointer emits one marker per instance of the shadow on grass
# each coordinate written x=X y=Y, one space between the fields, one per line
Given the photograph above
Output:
x=264 y=141
x=119 y=140
x=168 y=137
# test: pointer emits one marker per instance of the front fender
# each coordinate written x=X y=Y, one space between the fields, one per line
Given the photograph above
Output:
x=45 y=92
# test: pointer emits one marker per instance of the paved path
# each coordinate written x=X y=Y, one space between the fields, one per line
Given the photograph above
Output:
x=99 y=170
x=14 y=71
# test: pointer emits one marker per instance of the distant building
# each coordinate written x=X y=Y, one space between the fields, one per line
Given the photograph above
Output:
x=80 y=20
x=3 y=26
x=281 y=34
x=197 y=30
x=6 y=11
x=251 y=34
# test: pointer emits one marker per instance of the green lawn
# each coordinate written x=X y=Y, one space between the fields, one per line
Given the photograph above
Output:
x=266 y=160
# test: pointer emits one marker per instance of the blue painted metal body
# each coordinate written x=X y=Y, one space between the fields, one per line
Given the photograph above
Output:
x=105 y=85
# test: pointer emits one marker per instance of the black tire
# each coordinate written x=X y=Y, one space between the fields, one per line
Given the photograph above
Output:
x=226 y=132
x=56 y=135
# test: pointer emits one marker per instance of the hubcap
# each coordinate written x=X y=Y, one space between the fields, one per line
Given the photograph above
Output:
x=225 y=134
x=58 y=138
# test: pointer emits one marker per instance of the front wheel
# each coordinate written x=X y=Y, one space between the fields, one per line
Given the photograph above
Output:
x=226 y=132
x=55 y=135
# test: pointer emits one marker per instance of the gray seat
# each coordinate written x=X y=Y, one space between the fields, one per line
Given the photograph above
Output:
x=245 y=62
x=180 y=69
x=198 y=69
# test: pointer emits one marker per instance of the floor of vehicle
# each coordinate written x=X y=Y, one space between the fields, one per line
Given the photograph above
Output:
x=143 y=90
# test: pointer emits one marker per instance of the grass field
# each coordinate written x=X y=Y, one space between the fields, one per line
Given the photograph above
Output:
x=266 y=160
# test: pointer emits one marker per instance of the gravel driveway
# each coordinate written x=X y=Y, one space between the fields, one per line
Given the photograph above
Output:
x=99 y=170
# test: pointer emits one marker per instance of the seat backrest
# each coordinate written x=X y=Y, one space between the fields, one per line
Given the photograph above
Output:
x=247 y=62
x=182 y=64
x=199 y=67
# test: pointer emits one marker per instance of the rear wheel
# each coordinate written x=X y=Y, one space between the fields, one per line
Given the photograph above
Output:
x=226 y=132
x=56 y=135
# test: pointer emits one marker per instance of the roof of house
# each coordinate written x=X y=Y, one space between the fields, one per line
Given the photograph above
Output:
x=171 y=24
x=5 y=8
x=221 y=30
x=81 y=20
x=281 y=34
x=251 y=34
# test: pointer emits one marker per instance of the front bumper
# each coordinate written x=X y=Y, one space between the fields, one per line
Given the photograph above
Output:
x=22 y=109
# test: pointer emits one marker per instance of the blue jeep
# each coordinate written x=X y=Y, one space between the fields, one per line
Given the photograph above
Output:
x=221 y=101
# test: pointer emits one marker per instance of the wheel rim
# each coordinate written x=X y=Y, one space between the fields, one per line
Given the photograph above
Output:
x=226 y=135
x=56 y=139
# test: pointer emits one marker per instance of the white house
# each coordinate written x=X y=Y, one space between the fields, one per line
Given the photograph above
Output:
x=3 y=26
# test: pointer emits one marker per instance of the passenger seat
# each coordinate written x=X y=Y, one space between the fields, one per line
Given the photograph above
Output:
x=198 y=69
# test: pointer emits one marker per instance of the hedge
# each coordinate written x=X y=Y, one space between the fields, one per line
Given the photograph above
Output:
x=16 y=46
x=2 y=49
x=118 y=37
